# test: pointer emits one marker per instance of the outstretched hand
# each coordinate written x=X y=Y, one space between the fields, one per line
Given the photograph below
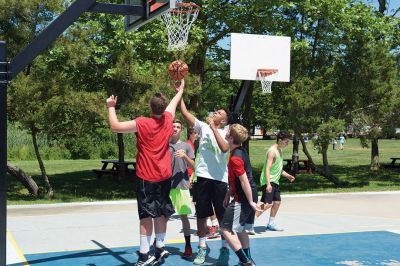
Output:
x=179 y=85
x=112 y=101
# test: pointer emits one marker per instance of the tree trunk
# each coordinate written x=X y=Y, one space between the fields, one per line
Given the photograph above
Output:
x=24 y=178
x=317 y=170
x=49 y=189
x=382 y=6
x=375 y=165
x=121 y=158
x=325 y=160
x=295 y=155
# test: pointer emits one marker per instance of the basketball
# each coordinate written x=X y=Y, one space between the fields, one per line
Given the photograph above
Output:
x=178 y=70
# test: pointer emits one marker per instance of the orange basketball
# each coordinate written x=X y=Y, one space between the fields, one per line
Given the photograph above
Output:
x=178 y=70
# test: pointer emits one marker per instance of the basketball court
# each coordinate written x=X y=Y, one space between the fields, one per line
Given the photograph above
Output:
x=321 y=229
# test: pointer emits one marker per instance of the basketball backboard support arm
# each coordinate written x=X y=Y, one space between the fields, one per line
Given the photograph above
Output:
x=237 y=102
x=60 y=24
x=9 y=70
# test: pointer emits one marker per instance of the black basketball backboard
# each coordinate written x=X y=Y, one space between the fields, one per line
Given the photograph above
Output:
x=153 y=9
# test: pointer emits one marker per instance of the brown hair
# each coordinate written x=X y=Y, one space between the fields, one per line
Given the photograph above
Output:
x=177 y=121
x=282 y=135
x=158 y=104
x=239 y=133
x=192 y=130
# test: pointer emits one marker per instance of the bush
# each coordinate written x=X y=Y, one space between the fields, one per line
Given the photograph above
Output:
x=100 y=144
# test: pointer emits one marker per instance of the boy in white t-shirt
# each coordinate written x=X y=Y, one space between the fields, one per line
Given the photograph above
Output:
x=212 y=175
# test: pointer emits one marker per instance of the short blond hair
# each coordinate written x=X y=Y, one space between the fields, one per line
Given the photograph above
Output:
x=239 y=133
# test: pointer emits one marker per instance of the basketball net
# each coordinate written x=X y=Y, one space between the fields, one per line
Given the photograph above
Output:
x=266 y=76
x=178 y=22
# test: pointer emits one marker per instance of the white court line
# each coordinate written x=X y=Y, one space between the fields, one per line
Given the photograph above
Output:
x=381 y=225
x=340 y=193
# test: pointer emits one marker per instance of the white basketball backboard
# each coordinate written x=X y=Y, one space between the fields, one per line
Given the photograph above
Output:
x=250 y=52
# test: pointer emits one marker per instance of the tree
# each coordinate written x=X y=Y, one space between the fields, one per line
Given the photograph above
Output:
x=370 y=76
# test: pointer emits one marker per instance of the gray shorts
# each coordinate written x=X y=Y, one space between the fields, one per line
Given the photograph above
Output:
x=238 y=217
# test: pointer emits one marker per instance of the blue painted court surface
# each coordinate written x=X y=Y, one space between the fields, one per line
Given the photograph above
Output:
x=361 y=248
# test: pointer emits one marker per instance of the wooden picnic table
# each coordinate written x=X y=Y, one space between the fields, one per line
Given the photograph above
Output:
x=115 y=165
x=394 y=159
x=304 y=166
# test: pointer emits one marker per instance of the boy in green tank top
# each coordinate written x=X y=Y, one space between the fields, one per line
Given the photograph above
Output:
x=269 y=179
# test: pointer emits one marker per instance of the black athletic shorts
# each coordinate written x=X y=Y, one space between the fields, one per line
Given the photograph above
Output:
x=193 y=192
x=210 y=193
x=153 y=198
x=274 y=195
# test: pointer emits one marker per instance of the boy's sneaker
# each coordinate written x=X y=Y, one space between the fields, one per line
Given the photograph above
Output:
x=213 y=231
x=223 y=257
x=188 y=252
x=251 y=232
x=247 y=263
x=201 y=256
x=274 y=227
x=145 y=259
x=160 y=255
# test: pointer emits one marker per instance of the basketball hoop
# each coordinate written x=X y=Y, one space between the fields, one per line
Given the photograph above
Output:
x=178 y=22
x=266 y=76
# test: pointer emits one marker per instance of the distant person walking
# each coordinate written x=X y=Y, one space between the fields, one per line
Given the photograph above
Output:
x=334 y=142
x=342 y=141
x=305 y=138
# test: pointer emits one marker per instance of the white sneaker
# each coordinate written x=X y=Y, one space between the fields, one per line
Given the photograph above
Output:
x=274 y=227
x=251 y=232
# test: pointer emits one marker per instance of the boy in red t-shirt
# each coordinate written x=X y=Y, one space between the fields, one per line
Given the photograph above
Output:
x=240 y=212
x=153 y=169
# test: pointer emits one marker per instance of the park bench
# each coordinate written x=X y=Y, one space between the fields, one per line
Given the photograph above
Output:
x=115 y=165
x=393 y=163
x=303 y=166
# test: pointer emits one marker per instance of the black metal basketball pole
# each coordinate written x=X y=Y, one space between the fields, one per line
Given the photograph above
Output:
x=3 y=152
x=40 y=43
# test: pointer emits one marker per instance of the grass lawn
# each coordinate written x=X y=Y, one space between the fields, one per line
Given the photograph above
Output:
x=73 y=180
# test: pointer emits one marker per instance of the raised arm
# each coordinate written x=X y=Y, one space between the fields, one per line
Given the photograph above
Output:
x=171 y=108
x=190 y=119
x=115 y=125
